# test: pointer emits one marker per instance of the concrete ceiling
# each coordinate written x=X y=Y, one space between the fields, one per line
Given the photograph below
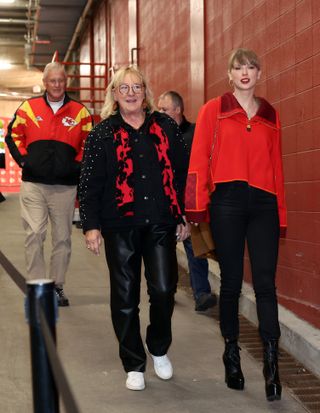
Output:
x=31 y=31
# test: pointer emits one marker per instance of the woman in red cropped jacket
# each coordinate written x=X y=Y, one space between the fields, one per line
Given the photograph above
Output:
x=235 y=182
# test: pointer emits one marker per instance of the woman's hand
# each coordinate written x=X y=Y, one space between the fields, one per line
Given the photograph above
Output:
x=93 y=240
x=183 y=231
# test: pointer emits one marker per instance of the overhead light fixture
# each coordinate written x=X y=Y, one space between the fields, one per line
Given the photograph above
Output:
x=4 y=64
x=7 y=1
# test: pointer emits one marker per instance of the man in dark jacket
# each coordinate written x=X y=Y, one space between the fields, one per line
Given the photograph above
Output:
x=171 y=103
x=46 y=138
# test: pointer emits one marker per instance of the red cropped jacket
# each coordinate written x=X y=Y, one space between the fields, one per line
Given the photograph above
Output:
x=227 y=146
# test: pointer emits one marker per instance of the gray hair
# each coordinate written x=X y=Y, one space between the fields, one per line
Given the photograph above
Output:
x=176 y=99
x=53 y=66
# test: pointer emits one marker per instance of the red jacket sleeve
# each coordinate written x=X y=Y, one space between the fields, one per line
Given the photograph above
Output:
x=15 y=138
x=85 y=120
x=198 y=180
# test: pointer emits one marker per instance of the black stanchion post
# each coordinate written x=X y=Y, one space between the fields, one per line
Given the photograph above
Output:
x=45 y=394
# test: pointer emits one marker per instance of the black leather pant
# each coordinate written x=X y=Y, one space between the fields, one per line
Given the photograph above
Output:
x=125 y=249
x=240 y=213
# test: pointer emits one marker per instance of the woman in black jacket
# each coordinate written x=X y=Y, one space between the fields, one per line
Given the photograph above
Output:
x=131 y=195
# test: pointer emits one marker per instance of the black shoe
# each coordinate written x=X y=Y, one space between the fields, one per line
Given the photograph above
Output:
x=205 y=301
x=273 y=386
x=231 y=359
x=62 y=299
x=78 y=224
x=2 y=198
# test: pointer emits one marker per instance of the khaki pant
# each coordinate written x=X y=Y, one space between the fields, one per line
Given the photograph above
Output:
x=39 y=203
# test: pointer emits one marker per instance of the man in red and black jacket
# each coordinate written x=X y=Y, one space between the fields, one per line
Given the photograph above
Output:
x=46 y=138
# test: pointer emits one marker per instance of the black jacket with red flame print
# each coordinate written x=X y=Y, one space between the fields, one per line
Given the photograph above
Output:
x=133 y=177
x=47 y=145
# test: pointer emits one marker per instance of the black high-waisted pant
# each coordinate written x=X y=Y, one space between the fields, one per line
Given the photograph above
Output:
x=125 y=249
x=239 y=213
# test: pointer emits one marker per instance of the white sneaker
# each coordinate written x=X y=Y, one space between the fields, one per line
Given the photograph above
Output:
x=162 y=366
x=135 y=380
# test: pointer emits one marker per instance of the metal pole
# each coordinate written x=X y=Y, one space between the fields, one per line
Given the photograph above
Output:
x=45 y=394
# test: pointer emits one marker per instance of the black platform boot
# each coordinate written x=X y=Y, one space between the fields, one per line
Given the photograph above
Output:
x=231 y=358
x=271 y=370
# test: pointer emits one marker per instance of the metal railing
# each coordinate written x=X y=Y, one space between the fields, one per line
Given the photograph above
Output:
x=48 y=377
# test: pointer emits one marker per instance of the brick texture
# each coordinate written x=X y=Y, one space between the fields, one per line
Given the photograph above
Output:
x=287 y=39
x=285 y=33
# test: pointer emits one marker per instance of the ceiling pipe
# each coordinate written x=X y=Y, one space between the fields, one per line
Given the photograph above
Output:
x=12 y=43
x=33 y=11
x=16 y=21
x=78 y=29
x=18 y=4
x=12 y=31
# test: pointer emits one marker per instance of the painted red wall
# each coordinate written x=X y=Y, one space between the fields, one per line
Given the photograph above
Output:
x=119 y=36
x=286 y=35
x=164 y=55
x=100 y=52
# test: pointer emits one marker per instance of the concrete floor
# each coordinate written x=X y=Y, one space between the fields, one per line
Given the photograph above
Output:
x=89 y=351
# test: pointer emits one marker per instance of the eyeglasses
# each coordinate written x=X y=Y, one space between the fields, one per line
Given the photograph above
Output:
x=136 y=88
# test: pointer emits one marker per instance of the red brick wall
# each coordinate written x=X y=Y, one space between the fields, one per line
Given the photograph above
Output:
x=100 y=52
x=164 y=55
x=119 y=36
x=286 y=35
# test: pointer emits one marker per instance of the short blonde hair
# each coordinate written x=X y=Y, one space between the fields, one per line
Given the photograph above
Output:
x=53 y=66
x=109 y=108
x=243 y=56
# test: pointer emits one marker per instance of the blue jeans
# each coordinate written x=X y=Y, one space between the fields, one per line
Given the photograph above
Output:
x=198 y=269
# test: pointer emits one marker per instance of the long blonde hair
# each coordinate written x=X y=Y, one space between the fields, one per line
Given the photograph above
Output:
x=110 y=105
